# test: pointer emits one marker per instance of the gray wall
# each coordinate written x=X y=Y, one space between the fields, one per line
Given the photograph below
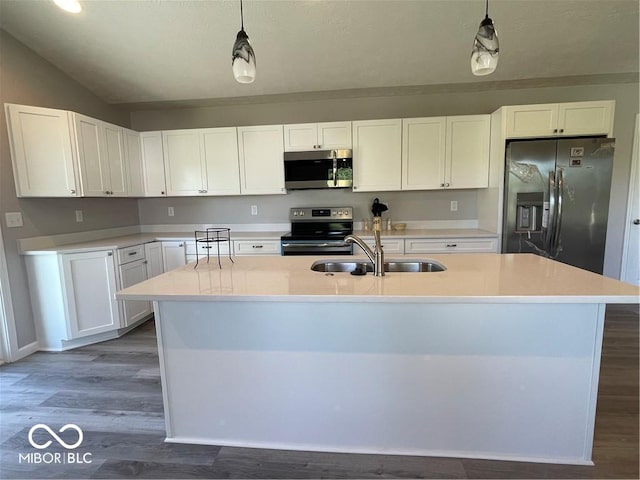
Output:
x=28 y=79
x=398 y=103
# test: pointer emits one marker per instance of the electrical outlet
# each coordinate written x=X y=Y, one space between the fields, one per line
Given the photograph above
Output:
x=14 y=219
x=79 y=216
x=170 y=212
x=254 y=209
x=454 y=205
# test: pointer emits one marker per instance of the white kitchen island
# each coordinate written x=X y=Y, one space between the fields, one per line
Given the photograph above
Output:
x=497 y=357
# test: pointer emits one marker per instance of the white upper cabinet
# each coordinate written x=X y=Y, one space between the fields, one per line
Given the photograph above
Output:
x=317 y=136
x=41 y=146
x=560 y=119
x=377 y=155
x=445 y=152
x=467 y=152
x=183 y=163
x=261 y=152
x=423 y=153
x=220 y=156
x=100 y=148
x=153 y=164
x=201 y=161
x=133 y=160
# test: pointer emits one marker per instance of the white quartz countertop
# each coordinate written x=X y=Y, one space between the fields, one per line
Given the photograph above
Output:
x=138 y=238
x=469 y=278
x=429 y=233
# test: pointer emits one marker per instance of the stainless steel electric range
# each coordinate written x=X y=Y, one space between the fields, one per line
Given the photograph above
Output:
x=318 y=231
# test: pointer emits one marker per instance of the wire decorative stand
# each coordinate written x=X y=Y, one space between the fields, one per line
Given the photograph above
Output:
x=209 y=237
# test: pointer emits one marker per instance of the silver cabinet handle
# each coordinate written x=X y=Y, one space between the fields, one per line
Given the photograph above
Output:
x=257 y=246
x=109 y=254
x=73 y=191
x=451 y=245
x=132 y=253
x=636 y=221
x=181 y=245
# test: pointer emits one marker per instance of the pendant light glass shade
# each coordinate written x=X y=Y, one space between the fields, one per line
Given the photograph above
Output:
x=243 y=60
x=484 y=55
x=71 y=6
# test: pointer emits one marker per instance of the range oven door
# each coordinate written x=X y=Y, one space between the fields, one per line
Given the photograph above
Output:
x=318 y=169
x=316 y=247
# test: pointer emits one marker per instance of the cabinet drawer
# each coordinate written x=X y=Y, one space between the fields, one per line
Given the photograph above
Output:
x=264 y=247
x=130 y=254
x=389 y=245
x=451 y=245
x=201 y=248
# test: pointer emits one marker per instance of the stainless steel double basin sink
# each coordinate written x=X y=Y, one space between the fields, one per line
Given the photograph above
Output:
x=362 y=267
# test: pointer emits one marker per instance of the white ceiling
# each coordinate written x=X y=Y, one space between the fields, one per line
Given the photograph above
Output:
x=131 y=51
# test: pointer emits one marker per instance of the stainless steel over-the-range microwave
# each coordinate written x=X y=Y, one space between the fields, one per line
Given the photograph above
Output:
x=318 y=169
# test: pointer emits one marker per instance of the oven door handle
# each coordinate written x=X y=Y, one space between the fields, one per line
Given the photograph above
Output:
x=325 y=244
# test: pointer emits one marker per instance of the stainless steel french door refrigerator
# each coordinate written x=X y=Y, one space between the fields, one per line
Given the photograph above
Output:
x=556 y=199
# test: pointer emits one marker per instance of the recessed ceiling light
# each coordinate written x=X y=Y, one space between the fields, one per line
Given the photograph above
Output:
x=71 y=6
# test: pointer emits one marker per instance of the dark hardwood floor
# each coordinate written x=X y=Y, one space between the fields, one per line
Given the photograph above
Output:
x=112 y=391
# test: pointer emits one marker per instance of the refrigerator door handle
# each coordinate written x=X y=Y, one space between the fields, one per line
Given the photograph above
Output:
x=558 y=215
x=548 y=236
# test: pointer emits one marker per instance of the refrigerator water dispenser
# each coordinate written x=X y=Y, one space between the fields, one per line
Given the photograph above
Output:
x=529 y=210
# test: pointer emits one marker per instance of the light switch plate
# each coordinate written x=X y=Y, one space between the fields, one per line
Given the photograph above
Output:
x=14 y=219
x=79 y=216
x=454 y=205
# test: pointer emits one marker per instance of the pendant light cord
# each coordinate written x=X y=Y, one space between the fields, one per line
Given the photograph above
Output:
x=242 y=15
x=486 y=12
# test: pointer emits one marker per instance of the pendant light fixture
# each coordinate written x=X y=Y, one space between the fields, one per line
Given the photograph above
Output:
x=243 y=60
x=71 y=6
x=484 y=55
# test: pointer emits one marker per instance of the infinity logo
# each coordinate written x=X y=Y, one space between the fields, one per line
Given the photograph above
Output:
x=53 y=434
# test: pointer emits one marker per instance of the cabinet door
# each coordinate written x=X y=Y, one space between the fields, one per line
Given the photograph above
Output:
x=467 y=157
x=94 y=167
x=115 y=160
x=377 y=155
x=423 y=153
x=532 y=120
x=334 y=135
x=586 y=118
x=40 y=140
x=300 y=137
x=90 y=286
x=133 y=310
x=133 y=162
x=153 y=164
x=220 y=149
x=173 y=255
x=261 y=160
x=153 y=255
x=183 y=162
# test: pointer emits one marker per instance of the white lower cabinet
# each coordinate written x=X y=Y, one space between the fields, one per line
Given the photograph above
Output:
x=173 y=255
x=450 y=245
x=89 y=284
x=256 y=247
x=389 y=245
x=132 y=267
x=73 y=296
x=153 y=256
